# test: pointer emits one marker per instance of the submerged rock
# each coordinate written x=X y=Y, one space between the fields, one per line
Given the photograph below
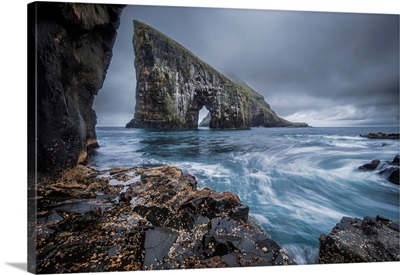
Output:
x=161 y=221
x=354 y=240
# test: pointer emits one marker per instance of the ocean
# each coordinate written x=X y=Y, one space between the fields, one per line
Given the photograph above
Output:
x=298 y=182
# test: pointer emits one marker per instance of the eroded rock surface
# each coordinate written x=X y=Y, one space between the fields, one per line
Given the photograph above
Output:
x=173 y=85
x=354 y=240
x=164 y=221
x=70 y=49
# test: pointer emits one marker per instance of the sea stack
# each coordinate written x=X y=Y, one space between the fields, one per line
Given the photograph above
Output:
x=173 y=85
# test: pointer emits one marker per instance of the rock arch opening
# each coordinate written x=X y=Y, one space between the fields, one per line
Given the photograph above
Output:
x=204 y=117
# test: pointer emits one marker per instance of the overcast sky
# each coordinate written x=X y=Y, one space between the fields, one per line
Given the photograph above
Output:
x=326 y=69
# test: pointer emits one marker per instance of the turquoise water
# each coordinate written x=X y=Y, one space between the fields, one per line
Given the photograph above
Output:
x=298 y=183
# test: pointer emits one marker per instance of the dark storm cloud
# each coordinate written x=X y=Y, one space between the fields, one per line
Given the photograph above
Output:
x=327 y=69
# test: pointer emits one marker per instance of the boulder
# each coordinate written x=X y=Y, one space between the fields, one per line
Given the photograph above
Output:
x=354 y=240
x=370 y=166
x=388 y=169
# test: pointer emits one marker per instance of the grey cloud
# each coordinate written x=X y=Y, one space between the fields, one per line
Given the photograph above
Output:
x=304 y=63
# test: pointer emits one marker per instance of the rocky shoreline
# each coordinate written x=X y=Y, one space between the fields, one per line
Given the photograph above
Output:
x=155 y=218
x=147 y=218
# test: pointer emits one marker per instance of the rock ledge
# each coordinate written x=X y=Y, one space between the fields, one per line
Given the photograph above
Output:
x=354 y=240
x=144 y=218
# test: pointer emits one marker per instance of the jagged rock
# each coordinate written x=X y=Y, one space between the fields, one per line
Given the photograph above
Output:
x=173 y=85
x=261 y=113
x=72 y=43
x=157 y=244
x=370 y=166
x=381 y=135
x=354 y=240
x=394 y=176
x=209 y=203
x=168 y=224
x=389 y=169
x=396 y=160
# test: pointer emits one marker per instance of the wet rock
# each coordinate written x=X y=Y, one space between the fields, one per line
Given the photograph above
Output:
x=396 y=160
x=54 y=217
x=154 y=214
x=94 y=215
x=354 y=240
x=394 y=176
x=227 y=236
x=388 y=169
x=72 y=49
x=157 y=244
x=125 y=198
x=163 y=221
x=381 y=135
x=211 y=204
x=370 y=166
x=240 y=212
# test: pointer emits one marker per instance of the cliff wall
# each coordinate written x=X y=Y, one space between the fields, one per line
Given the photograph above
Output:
x=173 y=85
x=69 y=49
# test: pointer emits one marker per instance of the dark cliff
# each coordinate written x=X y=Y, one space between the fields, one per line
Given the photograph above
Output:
x=261 y=113
x=69 y=51
x=173 y=85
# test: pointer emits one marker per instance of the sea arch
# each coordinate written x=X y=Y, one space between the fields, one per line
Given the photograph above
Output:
x=173 y=85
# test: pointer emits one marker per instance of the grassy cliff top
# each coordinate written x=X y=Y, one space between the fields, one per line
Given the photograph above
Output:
x=140 y=26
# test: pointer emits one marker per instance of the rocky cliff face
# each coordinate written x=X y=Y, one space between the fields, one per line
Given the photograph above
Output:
x=173 y=85
x=70 y=48
x=261 y=113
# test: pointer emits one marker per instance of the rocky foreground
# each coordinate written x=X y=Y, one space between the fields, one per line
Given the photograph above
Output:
x=354 y=240
x=142 y=219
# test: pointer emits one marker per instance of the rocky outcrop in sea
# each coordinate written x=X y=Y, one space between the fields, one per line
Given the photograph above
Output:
x=388 y=169
x=381 y=135
x=70 y=48
x=173 y=85
x=354 y=241
x=141 y=219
